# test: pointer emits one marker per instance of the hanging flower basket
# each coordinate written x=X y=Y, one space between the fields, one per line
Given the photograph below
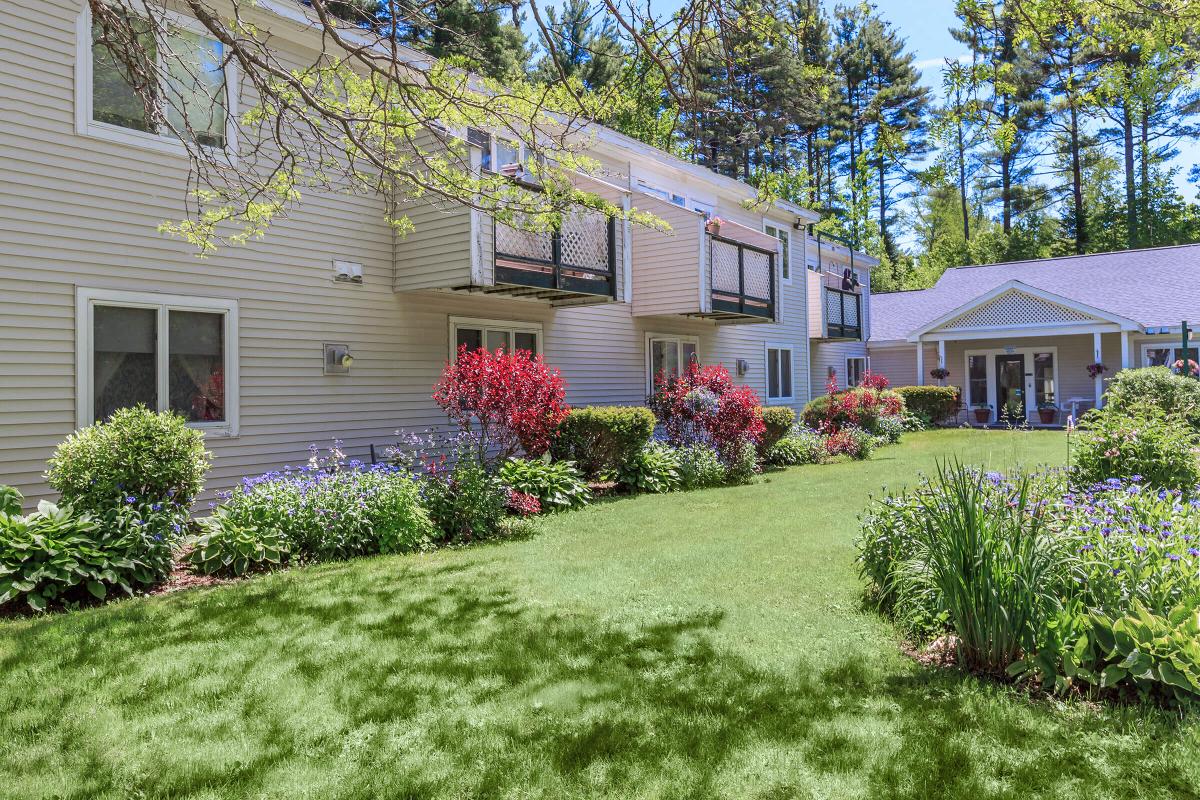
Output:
x=1095 y=370
x=940 y=373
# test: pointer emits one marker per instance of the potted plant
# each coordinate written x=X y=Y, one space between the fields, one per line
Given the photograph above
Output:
x=1048 y=413
x=939 y=373
x=1096 y=369
x=983 y=413
x=713 y=226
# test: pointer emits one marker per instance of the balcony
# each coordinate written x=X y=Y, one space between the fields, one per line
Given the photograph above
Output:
x=843 y=314
x=720 y=271
x=575 y=264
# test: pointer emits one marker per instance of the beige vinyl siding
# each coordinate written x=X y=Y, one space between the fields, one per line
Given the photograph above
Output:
x=78 y=212
x=667 y=266
x=899 y=363
x=833 y=355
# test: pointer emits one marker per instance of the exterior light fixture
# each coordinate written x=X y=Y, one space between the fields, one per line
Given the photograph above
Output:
x=338 y=359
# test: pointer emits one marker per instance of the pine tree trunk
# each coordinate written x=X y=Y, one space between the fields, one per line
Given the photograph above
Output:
x=1144 y=209
x=1081 y=232
x=1131 y=215
x=962 y=183
x=883 y=227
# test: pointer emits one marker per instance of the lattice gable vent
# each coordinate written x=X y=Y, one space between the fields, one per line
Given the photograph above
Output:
x=1015 y=307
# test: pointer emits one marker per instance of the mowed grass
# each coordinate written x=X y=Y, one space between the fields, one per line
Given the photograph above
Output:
x=709 y=644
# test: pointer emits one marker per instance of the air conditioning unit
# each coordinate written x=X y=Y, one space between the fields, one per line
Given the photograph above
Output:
x=347 y=272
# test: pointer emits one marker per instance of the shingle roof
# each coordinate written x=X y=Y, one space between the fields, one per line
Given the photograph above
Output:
x=1155 y=287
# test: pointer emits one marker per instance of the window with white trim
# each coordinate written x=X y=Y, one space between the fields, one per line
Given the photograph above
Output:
x=502 y=156
x=667 y=356
x=855 y=369
x=662 y=194
x=785 y=237
x=166 y=352
x=494 y=335
x=1157 y=355
x=779 y=373
x=193 y=85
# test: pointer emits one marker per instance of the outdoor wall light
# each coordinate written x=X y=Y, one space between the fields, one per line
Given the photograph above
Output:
x=743 y=366
x=337 y=359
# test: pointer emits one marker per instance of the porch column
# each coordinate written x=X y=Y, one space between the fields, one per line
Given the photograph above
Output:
x=1097 y=358
x=1125 y=350
x=920 y=362
x=941 y=359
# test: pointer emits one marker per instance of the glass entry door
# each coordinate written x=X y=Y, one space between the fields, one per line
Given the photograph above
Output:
x=1010 y=387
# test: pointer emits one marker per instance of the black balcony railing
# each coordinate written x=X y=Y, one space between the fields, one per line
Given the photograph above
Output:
x=742 y=278
x=579 y=258
x=843 y=314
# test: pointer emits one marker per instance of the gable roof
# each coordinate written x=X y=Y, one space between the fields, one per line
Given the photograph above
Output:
x=1155 y=287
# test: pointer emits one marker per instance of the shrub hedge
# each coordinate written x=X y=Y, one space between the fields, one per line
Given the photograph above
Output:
x=930 y=403
x=778 y=421
x=1174 y=394
x=601 y=439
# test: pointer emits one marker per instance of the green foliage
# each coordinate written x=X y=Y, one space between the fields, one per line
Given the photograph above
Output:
x=1153 y=656
x=556 y=484
x=600 y=439
x=333 y=513
x=654 y=470
x=59 y=556
x=466 y=503
x=10 y=500
x=1138 y=439
x=1131 y=389
x=700 y=467
x=778 y=421
x=889 y=429
x=932 y=404
x=233 y=548
x=801 y=446
x=889 y=546
x=152 y=457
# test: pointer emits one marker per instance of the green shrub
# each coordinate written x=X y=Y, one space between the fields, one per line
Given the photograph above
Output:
x=851 y=441
x=888 y=430
x=898 y=583
x=557 y=485
x=801 y=446
x=1137 y=440
x=466 y=503
x=599 y=439
x=990 y=563
x=744 y=466
x=10 y=500
x=57 y=555
x=1175 y=394
x=153 y=457
x=654 y=470
x=931 y=404
x=332 y=512
x=700 y=467
x=778 y=421
x=233 y=548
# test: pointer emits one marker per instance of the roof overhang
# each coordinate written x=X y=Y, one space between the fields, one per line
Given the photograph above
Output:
x=1100 y=321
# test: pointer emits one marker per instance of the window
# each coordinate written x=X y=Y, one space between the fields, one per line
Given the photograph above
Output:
x=779 y=373
x=662 y=194
x=977 y=380
x=666 y=356
x=495 y=335
x=166 y=352
x=192 y=87
x=785 y=238
x=1043 y=378
x=482 y=140
x=1158 y=356
x=855 y=369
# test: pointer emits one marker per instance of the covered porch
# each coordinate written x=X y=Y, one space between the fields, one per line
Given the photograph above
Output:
x=1022 y=355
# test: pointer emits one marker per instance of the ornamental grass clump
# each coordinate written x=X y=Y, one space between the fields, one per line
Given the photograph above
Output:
x=989 y=560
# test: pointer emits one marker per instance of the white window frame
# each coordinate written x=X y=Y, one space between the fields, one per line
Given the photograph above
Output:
x=485 y=325
x=1174 y=347
x=791 y=356
x=85 y=302
x=785 y=262
x=866 y=362
x=165 y=142
x=666 y=195
x=679 y=340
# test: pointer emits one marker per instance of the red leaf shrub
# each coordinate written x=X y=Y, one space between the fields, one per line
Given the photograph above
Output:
x=522 y=504
x=703 y=405
x=872 y=381
x=861 y=407
x=513 y=401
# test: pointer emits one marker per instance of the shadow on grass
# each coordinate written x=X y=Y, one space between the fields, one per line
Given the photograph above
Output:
x=375 y=679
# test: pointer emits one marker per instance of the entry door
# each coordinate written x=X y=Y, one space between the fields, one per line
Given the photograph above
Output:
x=1010 y=387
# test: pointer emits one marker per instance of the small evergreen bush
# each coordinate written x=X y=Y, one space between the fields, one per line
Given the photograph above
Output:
x=930 y=404
x=600 y=439
x=778 y=421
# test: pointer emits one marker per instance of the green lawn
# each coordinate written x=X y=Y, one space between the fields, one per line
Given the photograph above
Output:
x=709 y=644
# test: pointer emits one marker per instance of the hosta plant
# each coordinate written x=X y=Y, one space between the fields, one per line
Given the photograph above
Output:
x=654 y=470
x=557 y=485
x=234 y=548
